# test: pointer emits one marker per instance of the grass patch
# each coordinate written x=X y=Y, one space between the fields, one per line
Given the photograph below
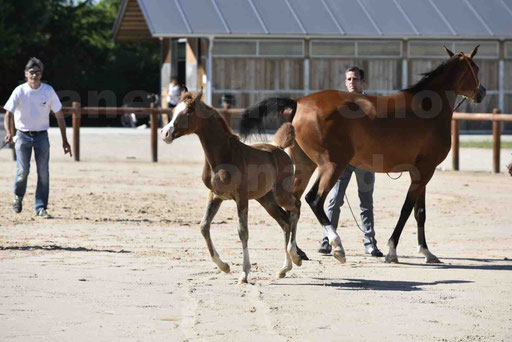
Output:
x=484 y=144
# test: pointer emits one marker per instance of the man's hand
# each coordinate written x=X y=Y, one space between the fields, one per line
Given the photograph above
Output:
x=67 y=148
x=509 y=167
x=8 y=138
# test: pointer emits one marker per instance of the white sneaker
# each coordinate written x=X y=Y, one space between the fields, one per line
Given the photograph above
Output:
x=43 y=214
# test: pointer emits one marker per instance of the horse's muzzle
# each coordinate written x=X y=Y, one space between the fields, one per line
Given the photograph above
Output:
x=481 y=94
x=166 y=135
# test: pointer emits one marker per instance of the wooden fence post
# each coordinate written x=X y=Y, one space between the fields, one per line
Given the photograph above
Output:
x=154 y=134
x=76 y=130
x=496 y=142
x=455 y=144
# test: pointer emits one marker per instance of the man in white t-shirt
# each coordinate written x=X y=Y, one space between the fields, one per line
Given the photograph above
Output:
x=173 y=93
x=30 y=104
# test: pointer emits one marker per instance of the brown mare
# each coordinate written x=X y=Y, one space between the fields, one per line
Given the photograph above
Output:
x=236 y=171
x=409 y=131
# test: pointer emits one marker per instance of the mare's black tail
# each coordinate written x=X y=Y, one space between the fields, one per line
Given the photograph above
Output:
x=273 y=108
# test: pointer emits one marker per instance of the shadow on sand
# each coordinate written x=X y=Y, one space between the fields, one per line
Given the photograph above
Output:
x=484 y=264
x=376 y=285
x=59 y=248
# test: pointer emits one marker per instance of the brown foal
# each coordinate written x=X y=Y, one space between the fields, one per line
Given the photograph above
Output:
x=236 y=171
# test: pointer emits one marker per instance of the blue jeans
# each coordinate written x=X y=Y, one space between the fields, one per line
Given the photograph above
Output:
x=23 y=147
x=365 y=183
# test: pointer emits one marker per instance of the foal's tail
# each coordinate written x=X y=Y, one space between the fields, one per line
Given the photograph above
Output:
x=274 y=107
x=285 y=136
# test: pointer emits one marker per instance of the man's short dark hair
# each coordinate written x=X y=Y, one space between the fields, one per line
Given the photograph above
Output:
x=34 y=62
x=356 y=68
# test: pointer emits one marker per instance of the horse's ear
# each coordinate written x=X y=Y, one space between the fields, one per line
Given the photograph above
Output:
x=199 y=95
x=449 y=51
x=473 y=53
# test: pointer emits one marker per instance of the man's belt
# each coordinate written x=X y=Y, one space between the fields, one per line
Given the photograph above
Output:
x=32 y=133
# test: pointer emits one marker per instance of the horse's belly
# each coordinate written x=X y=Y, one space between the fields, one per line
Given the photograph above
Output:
x=384 y=160
x=260 y=183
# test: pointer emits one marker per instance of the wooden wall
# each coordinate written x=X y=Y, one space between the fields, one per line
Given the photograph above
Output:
x=252 y=79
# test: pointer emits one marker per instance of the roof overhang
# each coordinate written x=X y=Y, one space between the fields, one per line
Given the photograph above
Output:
x=131 y=24
x=309 y=37
x=140 y=20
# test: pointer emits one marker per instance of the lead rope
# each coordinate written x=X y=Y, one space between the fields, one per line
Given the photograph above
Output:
x=350 y=207
x=460 y=102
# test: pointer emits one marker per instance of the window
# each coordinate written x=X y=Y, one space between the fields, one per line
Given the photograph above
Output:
x=234 y=48
x=486 y=49
x=435 y=49
x=258 y=48
x=281 y=48
x=429 y=49
x=379 y=49
x=508 y=50
x=332 y=48
x=362 y=49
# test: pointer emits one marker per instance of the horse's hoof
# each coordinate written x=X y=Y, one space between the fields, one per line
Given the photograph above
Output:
x=391 y=259
x=297 y=260
x=301 y=254
x=340 y=256
x=432 y=260
x=295 y=255
x=242 y=281
x=281 y=274
x=224 y=268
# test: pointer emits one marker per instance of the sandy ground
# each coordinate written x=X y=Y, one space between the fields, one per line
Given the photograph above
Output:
x=123 y=258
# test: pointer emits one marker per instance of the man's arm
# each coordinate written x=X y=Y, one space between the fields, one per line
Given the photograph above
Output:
x=7 y=126
x=62 y=125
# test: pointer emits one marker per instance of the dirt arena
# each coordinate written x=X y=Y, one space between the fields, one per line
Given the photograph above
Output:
x=123 y=258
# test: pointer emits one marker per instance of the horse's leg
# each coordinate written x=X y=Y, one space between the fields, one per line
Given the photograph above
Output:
x=211 y=209
x=304 y=169
x=242 y=204
x=328 y=174
x=269 y=203
x=294 y=250
x=420 y=214
x=419 y=180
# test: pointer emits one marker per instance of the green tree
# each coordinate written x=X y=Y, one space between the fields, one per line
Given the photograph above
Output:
x=74 y=41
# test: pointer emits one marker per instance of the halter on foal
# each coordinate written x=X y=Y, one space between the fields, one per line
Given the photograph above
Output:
x=236 y=171
x=409 y=131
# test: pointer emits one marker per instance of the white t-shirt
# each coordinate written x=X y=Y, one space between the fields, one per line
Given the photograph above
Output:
x=31 y=107
x=173 y=97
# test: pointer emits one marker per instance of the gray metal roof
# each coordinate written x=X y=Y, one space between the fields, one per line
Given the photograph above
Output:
x=480 y=19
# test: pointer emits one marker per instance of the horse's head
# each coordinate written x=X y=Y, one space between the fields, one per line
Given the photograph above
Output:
x=469 y=84
x=185 y=118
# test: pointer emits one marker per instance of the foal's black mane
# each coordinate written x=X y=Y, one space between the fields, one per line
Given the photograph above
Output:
x=427 y=77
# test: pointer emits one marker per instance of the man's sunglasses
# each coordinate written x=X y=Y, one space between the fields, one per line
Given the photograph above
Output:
x=35 y=72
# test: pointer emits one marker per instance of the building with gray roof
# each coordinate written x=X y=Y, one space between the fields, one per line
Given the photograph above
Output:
x=252 y=49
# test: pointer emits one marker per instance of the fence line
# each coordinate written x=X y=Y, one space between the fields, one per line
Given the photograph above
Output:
x=76 y=112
